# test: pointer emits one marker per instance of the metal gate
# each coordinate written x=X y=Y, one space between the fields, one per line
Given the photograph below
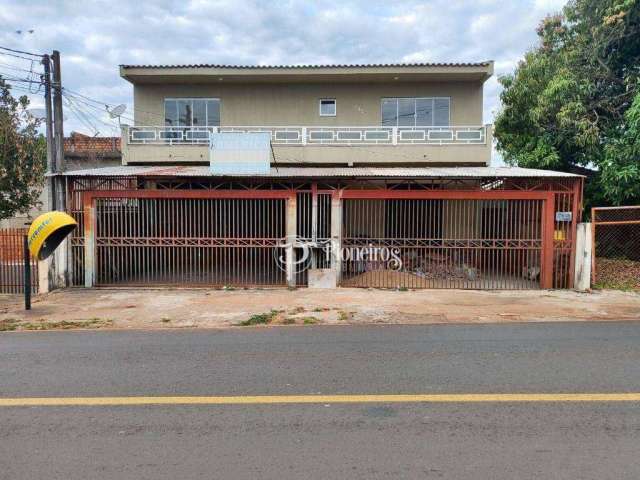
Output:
x=616 y=247
x=470 y=243
x=189 y=241
x=12 y=262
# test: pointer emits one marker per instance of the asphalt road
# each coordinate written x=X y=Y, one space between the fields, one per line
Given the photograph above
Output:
x=556 y=440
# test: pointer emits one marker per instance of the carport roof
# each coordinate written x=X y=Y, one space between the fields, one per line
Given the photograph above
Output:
x=325 y=172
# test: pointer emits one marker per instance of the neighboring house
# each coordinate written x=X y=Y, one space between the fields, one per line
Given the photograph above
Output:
x=379 y=176
x=80 y=152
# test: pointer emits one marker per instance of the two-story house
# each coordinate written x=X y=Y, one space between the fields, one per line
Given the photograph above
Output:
x=368 y=175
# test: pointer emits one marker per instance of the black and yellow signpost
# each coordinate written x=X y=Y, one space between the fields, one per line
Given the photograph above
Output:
x=45 y=235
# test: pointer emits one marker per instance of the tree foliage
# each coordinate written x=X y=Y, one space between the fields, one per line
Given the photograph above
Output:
x=22 y=155
x=574 y=101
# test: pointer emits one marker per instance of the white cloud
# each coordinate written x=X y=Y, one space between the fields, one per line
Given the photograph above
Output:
x=97 y=37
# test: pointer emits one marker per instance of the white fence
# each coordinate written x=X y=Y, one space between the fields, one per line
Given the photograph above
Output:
x=333 y=136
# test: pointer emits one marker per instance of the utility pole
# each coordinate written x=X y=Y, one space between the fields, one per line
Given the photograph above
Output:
x=57 y=111
x=51 y=159
x=58 y=120
x=62 y=254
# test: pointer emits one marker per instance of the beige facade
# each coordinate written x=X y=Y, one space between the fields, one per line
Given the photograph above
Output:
x=290 y=96
x=297 y=104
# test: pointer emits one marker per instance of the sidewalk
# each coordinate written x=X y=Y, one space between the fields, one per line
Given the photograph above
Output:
x=178 y=308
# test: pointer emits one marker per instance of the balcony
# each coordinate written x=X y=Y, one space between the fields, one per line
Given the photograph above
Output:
x=320 y=145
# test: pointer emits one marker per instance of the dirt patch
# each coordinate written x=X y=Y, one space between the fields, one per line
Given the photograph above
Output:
x=189 y=308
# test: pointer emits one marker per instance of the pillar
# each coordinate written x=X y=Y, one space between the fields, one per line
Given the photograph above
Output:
x=584 y=246
x=291 y=231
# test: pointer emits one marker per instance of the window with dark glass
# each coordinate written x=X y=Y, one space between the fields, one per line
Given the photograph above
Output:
x=192 y=112
x=415 y=112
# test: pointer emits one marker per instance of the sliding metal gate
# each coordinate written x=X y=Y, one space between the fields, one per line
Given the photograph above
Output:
x=189 y=241
x=12 y=262
x=444 y=242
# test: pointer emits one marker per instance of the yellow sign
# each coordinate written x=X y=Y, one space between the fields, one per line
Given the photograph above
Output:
x=47 y=232
x=559 y=235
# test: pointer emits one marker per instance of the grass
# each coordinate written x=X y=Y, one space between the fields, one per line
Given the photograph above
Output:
x=8 y=324
x=403 y=289
x=309 y=320
x=342 y=315
x=13 y=324
x=260 y=318
x=288 y=321
x=626 y=286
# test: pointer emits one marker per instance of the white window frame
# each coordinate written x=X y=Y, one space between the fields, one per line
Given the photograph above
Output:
x=335 y=107
x=206 y=99
x=433 y=110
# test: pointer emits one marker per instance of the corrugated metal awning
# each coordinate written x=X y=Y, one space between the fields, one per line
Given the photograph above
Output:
x=327 y=172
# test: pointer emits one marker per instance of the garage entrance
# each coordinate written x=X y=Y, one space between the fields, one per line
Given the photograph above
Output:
x=189 y=241
x=468 y=243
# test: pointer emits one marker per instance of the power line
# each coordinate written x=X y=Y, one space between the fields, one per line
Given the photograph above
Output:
x=30 y=81
x=78 y=110
x=86 y=98
x=13 y=67
x=95 y=107
x=81 y=118
x=16 y=56
x=21 y=51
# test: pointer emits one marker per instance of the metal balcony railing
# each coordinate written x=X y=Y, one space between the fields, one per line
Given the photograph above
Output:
x=331 y=136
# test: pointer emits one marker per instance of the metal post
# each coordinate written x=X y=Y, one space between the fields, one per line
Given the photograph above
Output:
x=89 y=241
x=27 y=273
x=336 y=235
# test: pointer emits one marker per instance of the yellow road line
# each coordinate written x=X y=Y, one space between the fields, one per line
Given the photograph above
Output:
x=302 y=399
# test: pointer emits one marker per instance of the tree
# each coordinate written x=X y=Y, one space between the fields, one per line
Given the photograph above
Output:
x=574 y=101
x=22 y=155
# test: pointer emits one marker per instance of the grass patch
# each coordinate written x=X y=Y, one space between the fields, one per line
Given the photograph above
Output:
x=8 y=324
x=289 y=321
x=65 y=324
x=309 y=320
x=260 y=318
x=403 y=289
x=344 y=316
x=625 y=286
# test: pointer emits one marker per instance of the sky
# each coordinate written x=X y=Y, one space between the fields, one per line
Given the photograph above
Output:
x=95 y=37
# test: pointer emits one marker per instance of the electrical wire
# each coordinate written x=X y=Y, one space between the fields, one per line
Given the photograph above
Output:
x=99 y=102
x=13 y=67
x=29 y=81
x=16 y=56
x=21 y=51
x=90 y=105
x=86 y=113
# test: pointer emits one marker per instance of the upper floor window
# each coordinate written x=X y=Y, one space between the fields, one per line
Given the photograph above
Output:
x=192 y=112
x=327 y=107
x=415 y=112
